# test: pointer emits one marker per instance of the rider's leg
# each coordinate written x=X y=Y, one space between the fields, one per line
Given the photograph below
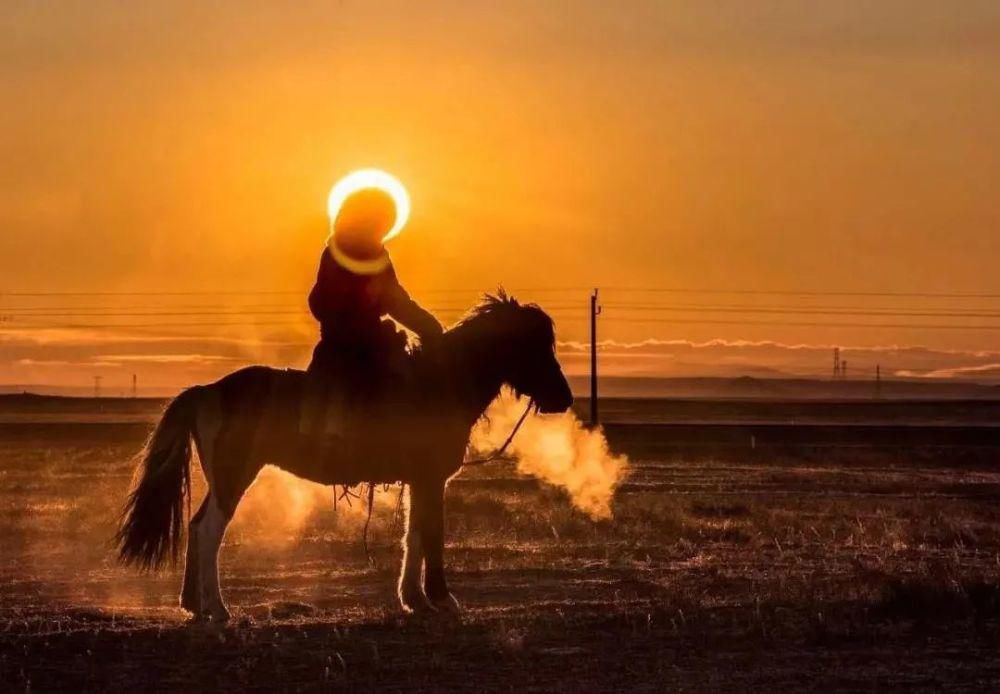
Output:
x=354 y=387
x=314 y=389
x=334 y=409
x=312 y=404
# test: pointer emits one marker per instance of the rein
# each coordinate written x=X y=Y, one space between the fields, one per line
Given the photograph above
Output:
x=497 y=453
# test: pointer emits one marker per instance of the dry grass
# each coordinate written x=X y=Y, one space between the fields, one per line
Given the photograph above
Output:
x=712 y=574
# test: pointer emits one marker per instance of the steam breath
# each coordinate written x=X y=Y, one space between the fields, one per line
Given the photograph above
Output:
x=559 y=450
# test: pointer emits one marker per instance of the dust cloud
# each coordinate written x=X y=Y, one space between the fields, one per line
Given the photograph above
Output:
x=280 y=509
x=557 y=449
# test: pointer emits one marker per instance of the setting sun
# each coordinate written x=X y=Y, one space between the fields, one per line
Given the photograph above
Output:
x=684 y=376
x=371 y=178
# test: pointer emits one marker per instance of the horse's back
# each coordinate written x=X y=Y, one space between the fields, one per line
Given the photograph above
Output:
x=257 y=373
x=385 y=440
x=260 y=390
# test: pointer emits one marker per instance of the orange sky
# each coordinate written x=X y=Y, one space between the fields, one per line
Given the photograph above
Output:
x=747 y=145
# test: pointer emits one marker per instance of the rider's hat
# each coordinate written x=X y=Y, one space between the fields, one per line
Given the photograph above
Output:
x=358 y=230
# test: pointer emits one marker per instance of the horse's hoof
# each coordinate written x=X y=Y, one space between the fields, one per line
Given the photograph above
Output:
x=219 y=615
x=448 y=604
x=197 y=620
x=414 y=602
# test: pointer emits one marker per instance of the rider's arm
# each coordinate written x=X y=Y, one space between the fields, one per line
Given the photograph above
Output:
x=402 y=308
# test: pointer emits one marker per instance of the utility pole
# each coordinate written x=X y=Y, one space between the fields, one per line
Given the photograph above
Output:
x=134 y=386
x=595 y=311
x=836 y=363
x=97 y=386
x=878 y=381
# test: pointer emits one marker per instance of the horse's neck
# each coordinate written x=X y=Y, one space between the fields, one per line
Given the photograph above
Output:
x=473 y=375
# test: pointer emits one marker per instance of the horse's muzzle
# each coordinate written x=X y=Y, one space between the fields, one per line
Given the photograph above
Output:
x=555 y=403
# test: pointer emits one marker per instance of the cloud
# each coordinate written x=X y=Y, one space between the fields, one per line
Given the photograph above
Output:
x=166 y=358
x=720 y=357
x=608 y=345
x=93 y=336
x=43 y=362
x=978 y=371
x=60 y=358
x=169 y=362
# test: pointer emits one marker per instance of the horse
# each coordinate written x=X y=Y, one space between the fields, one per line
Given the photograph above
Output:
x=250 y=418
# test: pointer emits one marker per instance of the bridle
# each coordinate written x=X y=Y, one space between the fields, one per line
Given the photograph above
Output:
x=498 y=452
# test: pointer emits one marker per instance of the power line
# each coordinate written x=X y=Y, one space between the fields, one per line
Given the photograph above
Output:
x=249 y=322
x=20 y=315
x=301 y=305
x=87 y=326
x=40 y=317
x=457 y=293
x=788 y=292
x=614 y=319
x=831 y=307
x=907 y=326
x=808 y=311
x=228 y=312
x=267 y=292
x=156 y=293
x=142 y=307
x=105 y=314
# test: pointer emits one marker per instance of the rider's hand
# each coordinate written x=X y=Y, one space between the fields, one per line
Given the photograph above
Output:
x=431 y=342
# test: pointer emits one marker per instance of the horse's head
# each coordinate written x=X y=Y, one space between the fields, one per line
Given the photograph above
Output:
x=519 y=342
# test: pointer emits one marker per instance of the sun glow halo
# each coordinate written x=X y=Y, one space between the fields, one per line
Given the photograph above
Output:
x=370 y=178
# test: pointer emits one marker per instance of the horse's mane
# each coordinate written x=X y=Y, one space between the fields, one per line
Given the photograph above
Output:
x=500 y=328
x=501 y=307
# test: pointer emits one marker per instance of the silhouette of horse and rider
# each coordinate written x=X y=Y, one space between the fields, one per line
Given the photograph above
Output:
x=367 y=409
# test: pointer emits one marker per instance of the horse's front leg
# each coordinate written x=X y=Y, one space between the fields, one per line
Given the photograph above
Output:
x=411 y=597
x=435 y=586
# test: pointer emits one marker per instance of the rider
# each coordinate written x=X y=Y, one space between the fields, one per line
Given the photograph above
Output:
x=355 y=287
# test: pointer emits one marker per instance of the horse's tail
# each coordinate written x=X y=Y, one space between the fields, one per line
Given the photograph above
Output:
x=152 y=520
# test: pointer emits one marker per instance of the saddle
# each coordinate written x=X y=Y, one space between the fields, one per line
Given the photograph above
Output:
x=345 y=388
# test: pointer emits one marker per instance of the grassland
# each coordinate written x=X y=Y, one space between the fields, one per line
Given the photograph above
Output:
x=724 y=567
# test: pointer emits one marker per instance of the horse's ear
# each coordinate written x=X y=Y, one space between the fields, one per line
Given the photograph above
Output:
x=504 y=298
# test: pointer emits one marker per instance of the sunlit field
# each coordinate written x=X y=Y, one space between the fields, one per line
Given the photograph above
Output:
x=866 y=566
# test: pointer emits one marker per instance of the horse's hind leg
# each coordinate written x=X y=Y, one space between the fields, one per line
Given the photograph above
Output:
x=206 y=432
x=229 y=470
x=191 y=588
x=211 y=530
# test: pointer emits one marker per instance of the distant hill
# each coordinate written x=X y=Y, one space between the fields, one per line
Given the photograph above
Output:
x=665 y=401
x=27 y=398
x=748 y=387
x=35 y=402
x=72 y=391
